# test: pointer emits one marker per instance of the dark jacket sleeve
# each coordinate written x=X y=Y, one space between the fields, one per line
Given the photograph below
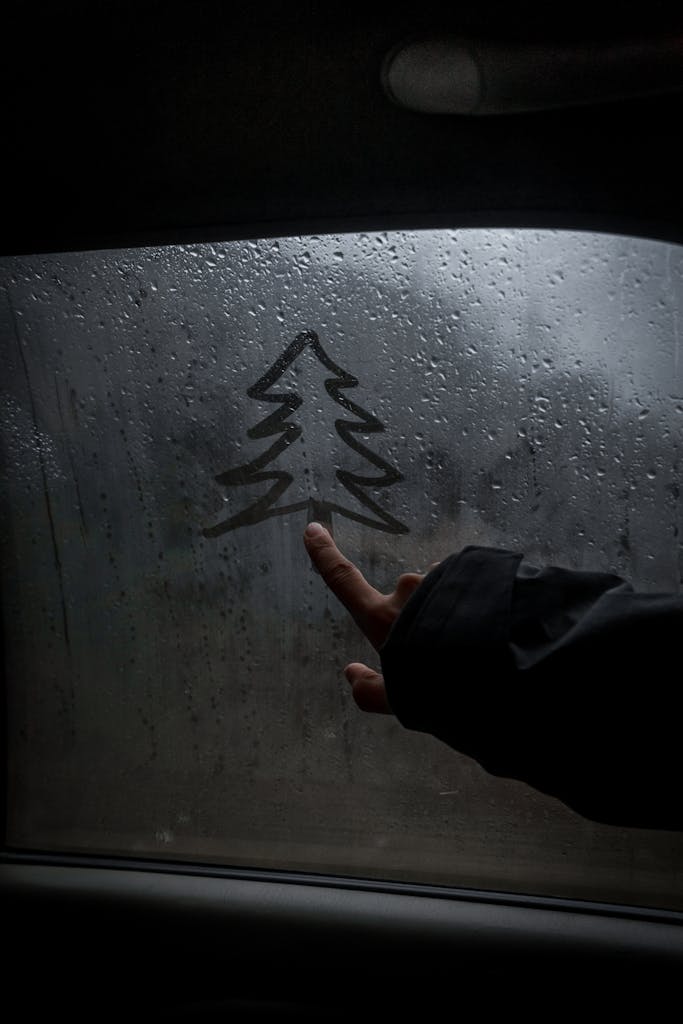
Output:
x=568 y=681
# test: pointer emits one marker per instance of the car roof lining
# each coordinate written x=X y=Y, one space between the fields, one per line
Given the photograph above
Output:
x=187 y=123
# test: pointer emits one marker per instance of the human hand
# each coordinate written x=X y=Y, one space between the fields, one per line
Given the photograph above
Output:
x=373 y=612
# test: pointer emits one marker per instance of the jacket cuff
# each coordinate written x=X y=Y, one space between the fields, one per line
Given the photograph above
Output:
x=447 y=647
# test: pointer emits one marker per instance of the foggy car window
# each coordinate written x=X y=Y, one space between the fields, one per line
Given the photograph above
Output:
x=172 y=417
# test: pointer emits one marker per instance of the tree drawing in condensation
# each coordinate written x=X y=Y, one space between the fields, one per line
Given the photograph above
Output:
x=285 y=478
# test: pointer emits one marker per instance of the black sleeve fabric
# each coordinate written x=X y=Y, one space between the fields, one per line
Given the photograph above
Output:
x=565 y=680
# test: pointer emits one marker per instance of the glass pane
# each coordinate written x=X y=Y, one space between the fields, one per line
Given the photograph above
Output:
x=174 y=664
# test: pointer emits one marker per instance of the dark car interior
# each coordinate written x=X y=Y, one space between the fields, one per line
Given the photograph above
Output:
x=156 y=124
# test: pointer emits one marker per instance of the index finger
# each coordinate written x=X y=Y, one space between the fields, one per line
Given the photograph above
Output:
x=343 y=578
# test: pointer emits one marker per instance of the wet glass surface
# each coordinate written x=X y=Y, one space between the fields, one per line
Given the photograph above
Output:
x=171 y=417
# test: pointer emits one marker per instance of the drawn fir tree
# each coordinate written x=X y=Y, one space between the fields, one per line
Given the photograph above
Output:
x=282 y=470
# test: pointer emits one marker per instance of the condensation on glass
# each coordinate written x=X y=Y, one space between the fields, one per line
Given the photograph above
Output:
x=174 y=665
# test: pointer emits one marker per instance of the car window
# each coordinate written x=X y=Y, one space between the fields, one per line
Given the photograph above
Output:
x=171 y=417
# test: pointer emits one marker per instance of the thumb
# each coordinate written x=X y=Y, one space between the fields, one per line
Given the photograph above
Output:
x=368 y=688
